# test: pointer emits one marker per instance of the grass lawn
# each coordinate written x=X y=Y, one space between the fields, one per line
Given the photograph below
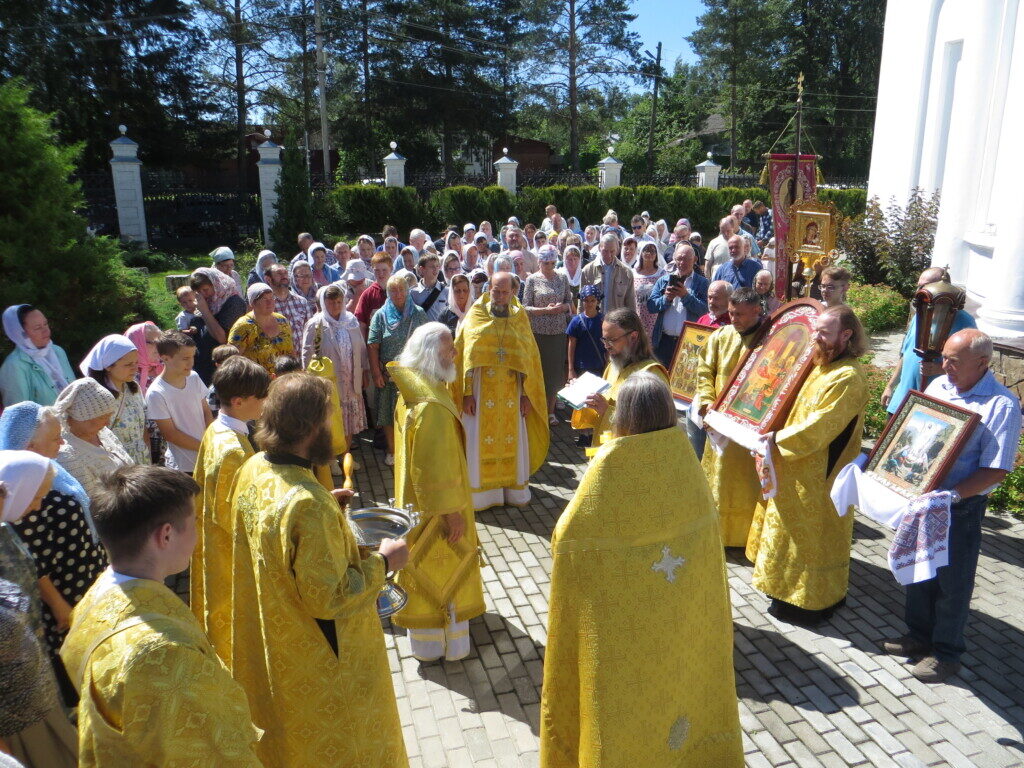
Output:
x=164 y=303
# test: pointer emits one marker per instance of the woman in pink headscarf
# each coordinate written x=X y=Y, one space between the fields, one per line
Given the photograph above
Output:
x=144 y=336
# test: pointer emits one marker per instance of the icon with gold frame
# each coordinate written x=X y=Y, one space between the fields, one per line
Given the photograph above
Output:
x=683 y=373
x=811 y=240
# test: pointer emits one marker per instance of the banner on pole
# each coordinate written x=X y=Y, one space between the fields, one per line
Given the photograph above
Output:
x=780 y=186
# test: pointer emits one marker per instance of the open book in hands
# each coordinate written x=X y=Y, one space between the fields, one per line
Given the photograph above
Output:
x=576 y=393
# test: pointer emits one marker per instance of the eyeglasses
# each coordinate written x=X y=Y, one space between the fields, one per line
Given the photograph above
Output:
x=638 y=226
x=829 y=287
x=609 y=342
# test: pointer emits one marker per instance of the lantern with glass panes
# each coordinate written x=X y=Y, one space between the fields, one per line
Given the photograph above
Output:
x=935 y=307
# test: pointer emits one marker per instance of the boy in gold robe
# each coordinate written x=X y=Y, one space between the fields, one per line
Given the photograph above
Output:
x=307 y=644
x=431 y=474
x=241 y=386
x=638 y=671
x=801 y=548
x=500 y=392
x=153 y=690
x=629 y=351
x=731 y=473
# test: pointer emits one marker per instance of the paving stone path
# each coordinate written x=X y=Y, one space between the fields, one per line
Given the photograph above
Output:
x=807 y=698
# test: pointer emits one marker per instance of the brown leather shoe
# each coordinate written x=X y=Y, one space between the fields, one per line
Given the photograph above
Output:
x=933 y=670
x=906 y=646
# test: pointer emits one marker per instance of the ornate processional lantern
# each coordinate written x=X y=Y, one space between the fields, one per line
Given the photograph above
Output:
x=935 y=307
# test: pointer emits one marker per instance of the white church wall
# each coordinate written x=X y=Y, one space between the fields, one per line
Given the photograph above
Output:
x=949 y=101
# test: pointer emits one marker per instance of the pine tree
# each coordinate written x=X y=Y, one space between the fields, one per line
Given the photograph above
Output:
x=47 y=257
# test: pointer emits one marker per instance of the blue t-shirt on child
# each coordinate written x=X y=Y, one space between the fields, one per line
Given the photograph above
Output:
x=589 y=354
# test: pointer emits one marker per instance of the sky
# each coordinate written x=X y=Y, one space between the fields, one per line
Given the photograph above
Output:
x=667 y=22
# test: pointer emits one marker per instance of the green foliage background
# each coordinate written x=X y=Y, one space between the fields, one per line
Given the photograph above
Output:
x=46 y=256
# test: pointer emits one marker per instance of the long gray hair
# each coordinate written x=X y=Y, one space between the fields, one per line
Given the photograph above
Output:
x=421 y=352
x=644 y=404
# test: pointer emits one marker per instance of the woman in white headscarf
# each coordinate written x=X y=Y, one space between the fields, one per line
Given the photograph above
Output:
x=33 y=726
x=572 y=268
x=37 y=369
x=90 y=449
x=258 y=273
x=114 y=363
x=340 y=339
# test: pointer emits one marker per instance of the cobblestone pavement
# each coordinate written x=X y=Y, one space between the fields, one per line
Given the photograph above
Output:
x=807 y=698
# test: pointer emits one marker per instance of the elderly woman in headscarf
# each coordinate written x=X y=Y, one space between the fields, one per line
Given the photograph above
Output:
x=37 y=369
x=334 y=332
x=220 y=305
x=572 y=268
x=224 y=261
x=366 y=246
x=114 y=363
x=470 y=258
x=460 y=299
x=323 y=273
x=300 y=277
x=33 y=726
x=390 y=327
x=91 y=450
x=262 y=335
x=258 y=273
x=406 y=259
x=59 y=534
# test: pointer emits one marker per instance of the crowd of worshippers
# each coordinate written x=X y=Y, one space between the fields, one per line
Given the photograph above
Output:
x=218 y=447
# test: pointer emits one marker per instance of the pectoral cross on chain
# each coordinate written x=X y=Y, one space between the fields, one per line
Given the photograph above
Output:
x=501 y=354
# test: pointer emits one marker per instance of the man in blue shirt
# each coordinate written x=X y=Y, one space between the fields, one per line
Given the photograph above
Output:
x=937 y=609
x=907 y=375
x=739 y=271
x=678 y=297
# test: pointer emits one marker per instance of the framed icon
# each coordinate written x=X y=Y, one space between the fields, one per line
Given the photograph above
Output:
x=919 y=444
x=683 y=373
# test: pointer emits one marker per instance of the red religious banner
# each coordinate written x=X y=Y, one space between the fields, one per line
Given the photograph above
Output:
x=780 y=186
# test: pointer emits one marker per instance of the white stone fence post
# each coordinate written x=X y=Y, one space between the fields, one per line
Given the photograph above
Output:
x=609 y=171
x=707 y=173
x=506 y=168
x=126 y=170
x=269 y=167
x=394 y=168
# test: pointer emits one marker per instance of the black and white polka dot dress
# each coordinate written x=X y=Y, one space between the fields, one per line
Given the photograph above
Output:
x=59 y=539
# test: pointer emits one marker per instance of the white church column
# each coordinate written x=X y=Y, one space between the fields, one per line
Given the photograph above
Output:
x=1002 y=310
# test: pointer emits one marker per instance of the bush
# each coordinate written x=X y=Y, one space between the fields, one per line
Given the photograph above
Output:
x=875 y=415
x=136 y=255
x=358 y=209
x=893 y=245
x=849 y=202
x=1009 y=496
x=878 y=307
x=47 y=257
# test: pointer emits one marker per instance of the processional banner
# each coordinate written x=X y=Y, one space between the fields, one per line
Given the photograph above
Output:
x=780 y=185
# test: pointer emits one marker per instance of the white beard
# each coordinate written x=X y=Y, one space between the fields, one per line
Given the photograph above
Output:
x=448 y=373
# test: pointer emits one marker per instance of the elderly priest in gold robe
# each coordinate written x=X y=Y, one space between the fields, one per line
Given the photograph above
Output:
x=799 y=545
x=639 y=671
x=307 y=644
x=500 y=391
x=442 y=578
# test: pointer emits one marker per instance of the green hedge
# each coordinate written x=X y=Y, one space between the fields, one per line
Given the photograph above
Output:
x=357 y=209
x=879 y=307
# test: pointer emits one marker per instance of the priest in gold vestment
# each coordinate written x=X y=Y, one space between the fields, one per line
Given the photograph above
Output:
x=731 y=473
x=431 y=474
x=307 y=645
x=241 y=386
x=153 y=690
x=638 y=671
x=629 y=351
x=801 y=546
x=500 y=392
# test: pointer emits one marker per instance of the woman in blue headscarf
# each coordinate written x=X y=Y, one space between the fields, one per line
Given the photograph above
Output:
x=390 y=327
x=59 y=534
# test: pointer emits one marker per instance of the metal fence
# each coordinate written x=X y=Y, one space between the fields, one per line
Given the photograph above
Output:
x=100 y=208
x=191 y=218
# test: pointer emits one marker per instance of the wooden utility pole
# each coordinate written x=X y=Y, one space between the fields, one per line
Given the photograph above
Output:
x=799 y=117
x=574 y=118
x=654 y=109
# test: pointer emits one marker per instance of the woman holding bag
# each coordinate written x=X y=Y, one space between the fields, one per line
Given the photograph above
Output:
x=341 y=342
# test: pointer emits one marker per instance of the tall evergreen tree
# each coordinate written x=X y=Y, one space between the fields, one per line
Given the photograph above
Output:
x=98 y=63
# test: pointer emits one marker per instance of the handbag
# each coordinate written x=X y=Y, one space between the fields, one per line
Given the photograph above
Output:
x=322 y=366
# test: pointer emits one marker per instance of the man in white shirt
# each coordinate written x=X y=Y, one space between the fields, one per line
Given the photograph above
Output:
x=718 y=249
